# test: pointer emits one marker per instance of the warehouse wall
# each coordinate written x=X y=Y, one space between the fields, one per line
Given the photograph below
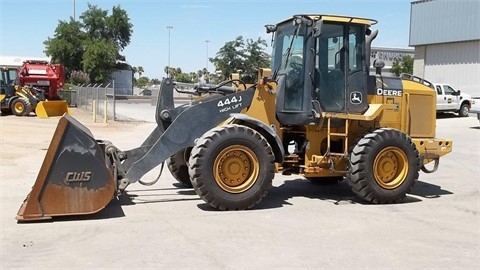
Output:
x=443 y=21
x=457 y=64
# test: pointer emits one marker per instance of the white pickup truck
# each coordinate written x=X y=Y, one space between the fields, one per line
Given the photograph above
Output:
x=476 y=107
x=451 y=100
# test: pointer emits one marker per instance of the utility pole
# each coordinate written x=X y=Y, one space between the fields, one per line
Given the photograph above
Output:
x=168 y=67
x=206 y=60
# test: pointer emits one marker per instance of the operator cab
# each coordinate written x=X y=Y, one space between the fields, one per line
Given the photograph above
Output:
x=7 y=81
x=320 y=63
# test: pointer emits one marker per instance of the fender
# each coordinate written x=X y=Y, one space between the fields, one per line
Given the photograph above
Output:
x=266 y=131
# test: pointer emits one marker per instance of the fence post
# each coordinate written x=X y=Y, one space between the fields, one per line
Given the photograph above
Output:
x=94 y=113
x=105 y=115
x=114 y=117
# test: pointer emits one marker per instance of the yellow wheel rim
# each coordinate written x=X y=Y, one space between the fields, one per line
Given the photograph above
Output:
x=390 y=167
x=236 y=168
x=18 y=107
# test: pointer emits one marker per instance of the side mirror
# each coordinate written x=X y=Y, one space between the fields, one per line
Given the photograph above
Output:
x=317 y=28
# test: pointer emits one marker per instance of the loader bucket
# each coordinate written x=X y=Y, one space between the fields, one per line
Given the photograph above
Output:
x=74 y=179
x=50 y=108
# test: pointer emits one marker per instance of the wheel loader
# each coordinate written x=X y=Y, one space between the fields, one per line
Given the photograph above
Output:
x=316 y=112
x=21 y=100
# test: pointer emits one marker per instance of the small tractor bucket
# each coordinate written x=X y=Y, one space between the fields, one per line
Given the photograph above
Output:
x=50 y=108
x=75 y=177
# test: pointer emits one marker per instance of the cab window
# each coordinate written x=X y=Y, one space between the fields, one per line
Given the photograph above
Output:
x=439 y=90
x=449 y=90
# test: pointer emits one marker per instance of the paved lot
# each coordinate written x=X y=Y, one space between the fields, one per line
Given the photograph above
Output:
x=298 y=225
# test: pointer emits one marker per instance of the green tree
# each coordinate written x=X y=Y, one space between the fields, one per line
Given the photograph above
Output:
x=184 y=78
x=99 y=60
x=405 y=65
x=239 y=55
x=140 y=71
x=256 y=58
x=142 y=81
x=155 y=81
x=134 y=71
x=172 y=72
x=67 y=46
x=92 y=44
x=194 y=76
x=230 y=58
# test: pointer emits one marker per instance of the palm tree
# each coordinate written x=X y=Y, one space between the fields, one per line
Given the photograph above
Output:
x=135 y=71
x=194 y=76
x=140 y=71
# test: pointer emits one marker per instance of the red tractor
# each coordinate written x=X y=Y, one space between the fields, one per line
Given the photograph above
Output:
x=41 y=74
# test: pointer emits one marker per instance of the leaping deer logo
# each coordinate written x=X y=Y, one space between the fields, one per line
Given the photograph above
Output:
x=356 y=97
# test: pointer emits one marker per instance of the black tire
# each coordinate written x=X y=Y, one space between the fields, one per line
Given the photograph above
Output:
x=21 y=107
x=244 y=167
x=325 y=181
x=179 y=169
x=464 y=110
x=384 y=166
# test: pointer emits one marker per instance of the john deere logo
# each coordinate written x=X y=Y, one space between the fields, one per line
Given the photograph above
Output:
x=356 y=97
x=78 y=177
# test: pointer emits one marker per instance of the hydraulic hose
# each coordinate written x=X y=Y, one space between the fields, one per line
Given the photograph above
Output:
x=155 y=180
x=435 y=167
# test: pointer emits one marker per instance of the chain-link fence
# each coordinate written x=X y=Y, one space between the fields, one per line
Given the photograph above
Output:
x=97 y=98
x=102 y=101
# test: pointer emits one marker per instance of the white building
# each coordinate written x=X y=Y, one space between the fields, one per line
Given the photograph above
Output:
x=446 y=38
x=8 y=61
x=388 y=55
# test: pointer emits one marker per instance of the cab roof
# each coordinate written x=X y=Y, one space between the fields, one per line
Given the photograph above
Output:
x=335 y=18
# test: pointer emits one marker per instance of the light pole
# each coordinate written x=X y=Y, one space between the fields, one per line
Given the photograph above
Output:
x=74 y=11
x=206 y=60
x=168 y=67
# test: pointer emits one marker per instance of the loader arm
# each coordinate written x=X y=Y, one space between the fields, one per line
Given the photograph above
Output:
x=179 y=127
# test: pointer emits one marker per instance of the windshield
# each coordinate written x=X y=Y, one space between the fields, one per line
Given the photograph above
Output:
x=288 y=51
x=288 y=47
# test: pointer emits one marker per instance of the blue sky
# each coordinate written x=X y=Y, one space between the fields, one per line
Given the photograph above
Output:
x=25 y=24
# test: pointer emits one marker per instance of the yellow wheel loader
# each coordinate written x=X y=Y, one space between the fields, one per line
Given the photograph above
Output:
x=317 y=113
x=22 y=100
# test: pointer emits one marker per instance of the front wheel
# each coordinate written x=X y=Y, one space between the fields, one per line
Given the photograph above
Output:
x=232 y=167
x=21 y=106
x=384 y=166
x=464 y=110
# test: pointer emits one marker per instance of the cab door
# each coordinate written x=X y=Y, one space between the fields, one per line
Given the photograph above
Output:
x=452 y=97
x=341 y=70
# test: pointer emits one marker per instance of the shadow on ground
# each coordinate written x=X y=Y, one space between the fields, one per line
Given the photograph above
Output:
x=428 y=191
x=446 y=115
x=335 y=194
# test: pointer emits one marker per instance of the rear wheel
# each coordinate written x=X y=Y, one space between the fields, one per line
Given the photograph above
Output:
x=232 y=167
x=464 y=110
x=21 y=106
x=384 y=166
x=178 y=167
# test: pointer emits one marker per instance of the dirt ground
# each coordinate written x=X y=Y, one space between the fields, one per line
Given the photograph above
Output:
x=297 y=226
